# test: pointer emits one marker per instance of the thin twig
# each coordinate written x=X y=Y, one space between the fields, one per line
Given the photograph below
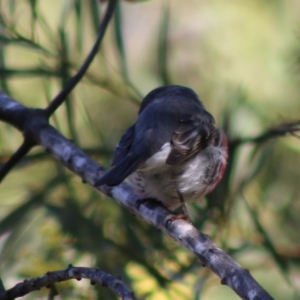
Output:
x=52 y=291
x=282 y=129
x=73 y=81
x=48 y=280
x=15 y=158
x=2 y=288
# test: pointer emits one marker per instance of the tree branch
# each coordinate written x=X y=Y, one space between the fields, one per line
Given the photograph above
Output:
x=15 y=158
x=16 y=119
x=72 y=82
x=273 y=132
x=48 y=280
x=231 y=274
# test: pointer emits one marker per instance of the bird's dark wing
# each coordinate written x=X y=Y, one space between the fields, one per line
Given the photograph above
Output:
x=190 y=137
x=120 y=171
x=125 y=160
x=123 y=146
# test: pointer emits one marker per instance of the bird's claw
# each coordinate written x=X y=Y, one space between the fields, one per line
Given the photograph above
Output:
x=172 y=218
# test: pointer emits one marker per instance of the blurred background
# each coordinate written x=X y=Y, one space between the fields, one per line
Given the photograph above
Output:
x=243 y=60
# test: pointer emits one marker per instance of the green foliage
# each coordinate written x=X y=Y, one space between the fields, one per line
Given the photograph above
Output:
x=237 y=56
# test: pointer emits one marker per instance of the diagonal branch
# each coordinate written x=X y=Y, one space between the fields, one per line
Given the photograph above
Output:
x=72 y=82
x=17 y=119
x=231 y=274
x=50 y=278
x=15 y=158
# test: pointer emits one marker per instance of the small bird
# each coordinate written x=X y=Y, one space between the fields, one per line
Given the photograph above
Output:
x=173 y=153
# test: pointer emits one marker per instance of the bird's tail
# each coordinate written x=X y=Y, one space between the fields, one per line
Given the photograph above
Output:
x=120 y=171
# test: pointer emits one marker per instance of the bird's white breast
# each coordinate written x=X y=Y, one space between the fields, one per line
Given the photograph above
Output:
x=158 y=160
x=192 y=178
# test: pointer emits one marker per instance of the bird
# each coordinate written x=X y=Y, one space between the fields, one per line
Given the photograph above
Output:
x=174 y=153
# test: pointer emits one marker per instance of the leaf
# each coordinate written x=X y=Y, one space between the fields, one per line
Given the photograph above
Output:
x=95 y=13
x=79 y=24
x=34 y=15
x=65 y=75
x=24 y=42
x=18 y=215
x=9 y=245
x=268 y=243
x=67 y=7
x=120 y=41
x=257 y=159
x=162 y=58
x=3 y=78
x=27 y=72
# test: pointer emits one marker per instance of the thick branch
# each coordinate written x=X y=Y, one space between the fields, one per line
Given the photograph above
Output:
x=231 y=274
x=48 y=280
x=17 y=119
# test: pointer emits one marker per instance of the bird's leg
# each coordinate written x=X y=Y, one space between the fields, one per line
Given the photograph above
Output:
x=183 y=206
x=183 y=216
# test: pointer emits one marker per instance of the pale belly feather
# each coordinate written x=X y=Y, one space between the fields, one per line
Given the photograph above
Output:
x=194 y=178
